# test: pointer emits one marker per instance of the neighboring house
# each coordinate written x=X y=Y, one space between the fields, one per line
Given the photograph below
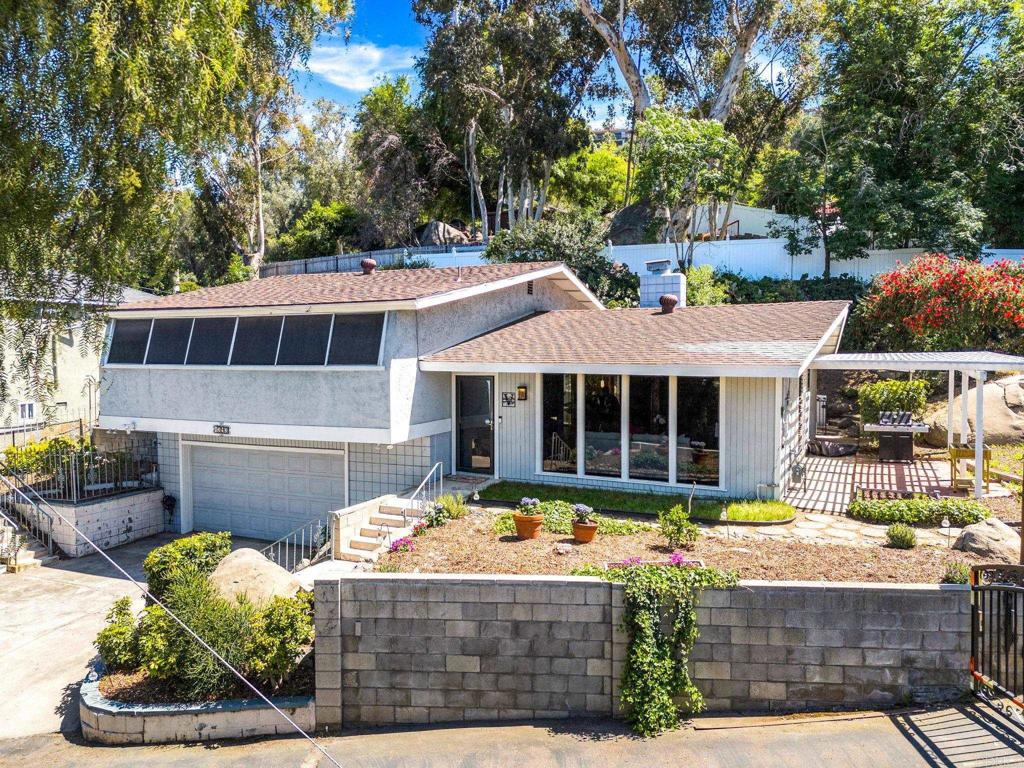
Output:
x=75 y=373
x=280 y=399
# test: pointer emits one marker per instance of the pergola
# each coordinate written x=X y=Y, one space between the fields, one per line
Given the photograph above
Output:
x=969 y=364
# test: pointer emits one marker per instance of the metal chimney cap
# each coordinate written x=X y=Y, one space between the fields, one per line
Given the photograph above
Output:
x=368 y=265
x=668 y=303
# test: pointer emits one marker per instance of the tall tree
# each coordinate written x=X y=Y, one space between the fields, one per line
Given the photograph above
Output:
x=908 y=100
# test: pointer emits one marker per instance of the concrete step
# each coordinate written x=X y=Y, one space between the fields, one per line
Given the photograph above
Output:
x=394 y=521
x=356 y=555
x=375 y=531
x=364 y=543
x=397 y=509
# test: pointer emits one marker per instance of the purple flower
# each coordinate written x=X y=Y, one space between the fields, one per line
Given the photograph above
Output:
x=631 y=561
x=403 y=544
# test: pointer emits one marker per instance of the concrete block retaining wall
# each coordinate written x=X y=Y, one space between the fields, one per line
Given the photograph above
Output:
x=408 y=648
x=109 y=521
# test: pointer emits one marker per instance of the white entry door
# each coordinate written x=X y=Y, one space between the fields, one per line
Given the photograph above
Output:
x=263 y=494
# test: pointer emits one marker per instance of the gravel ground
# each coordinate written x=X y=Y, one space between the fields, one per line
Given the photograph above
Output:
x=469 y=545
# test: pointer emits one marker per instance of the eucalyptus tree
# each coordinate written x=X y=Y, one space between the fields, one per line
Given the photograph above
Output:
x=509 y=79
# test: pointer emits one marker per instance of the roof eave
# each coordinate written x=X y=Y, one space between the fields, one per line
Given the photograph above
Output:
x=675 y=369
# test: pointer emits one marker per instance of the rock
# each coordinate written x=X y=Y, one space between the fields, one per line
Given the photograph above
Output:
x=992 y=539
x=1004 y=414
x=439 y=233
x=247 y=572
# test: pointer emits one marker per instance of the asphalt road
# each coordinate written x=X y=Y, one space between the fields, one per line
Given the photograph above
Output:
x=960 y=737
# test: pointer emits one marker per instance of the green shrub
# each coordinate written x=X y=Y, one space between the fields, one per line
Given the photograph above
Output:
x=749 y=511
x=558 y=517
x=677 y=527
x=447 y=506
x=957 y=573
x=262 y=642
x=892 y=395
x=117 y=642
x=960 y=512
x=901 y=536
x=282 y=630
x=202 y=550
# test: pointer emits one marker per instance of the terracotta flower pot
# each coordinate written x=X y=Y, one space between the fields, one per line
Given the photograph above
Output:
x=528 y=526
x=584 y=532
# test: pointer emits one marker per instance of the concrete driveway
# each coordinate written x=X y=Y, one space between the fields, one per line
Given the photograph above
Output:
x=948 y=738
x=49 y=617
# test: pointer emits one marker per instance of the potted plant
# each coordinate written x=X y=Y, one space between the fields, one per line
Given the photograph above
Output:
x=528 y=518
x=584 y=526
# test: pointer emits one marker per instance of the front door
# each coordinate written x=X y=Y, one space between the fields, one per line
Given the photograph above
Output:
x=474 y=424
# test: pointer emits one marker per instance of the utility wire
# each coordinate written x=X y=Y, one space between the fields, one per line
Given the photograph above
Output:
x=198 y=639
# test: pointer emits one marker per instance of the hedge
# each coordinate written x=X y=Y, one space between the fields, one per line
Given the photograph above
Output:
x=892 y=395
x=201 y=550
x=960 y=512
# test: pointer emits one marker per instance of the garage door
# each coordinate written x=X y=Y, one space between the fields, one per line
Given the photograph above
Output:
x=263 y=494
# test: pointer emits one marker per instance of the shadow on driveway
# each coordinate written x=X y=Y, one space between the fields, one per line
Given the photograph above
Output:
x=970 y=734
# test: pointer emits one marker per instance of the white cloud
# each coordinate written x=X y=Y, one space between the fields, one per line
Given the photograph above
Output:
x=358 y=66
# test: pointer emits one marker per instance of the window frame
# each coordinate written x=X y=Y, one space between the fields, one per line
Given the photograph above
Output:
x=624 y=479
x=325 y=366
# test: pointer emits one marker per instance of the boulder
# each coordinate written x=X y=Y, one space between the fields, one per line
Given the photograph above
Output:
x=991 y=539
x=1004 y=414
x=439 y=233
x=247 y=572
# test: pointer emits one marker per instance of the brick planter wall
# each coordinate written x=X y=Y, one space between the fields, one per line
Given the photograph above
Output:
x=435 y=648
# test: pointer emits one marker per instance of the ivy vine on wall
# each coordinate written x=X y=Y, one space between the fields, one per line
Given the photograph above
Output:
x=661 y=619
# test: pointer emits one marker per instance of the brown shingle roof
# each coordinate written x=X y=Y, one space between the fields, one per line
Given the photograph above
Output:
x=750 y=335
x=339 y=287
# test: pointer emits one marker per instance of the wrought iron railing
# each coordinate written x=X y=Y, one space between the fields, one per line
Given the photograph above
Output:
x=71 y=471
x=997 y=637
x=23 y=510
x=298 y=549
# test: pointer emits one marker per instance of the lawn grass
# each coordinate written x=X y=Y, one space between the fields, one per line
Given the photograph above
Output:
x=598 y=498
x=1008 y=458
x=744 y=511
x=638 y=503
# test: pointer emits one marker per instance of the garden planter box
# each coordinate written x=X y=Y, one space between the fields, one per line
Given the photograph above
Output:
x=105 y=721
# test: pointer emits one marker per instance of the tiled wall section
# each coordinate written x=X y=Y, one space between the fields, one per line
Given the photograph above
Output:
x=374 y=470
x=411 y=648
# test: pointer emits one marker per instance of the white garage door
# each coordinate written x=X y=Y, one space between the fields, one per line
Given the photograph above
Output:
x=263 y=494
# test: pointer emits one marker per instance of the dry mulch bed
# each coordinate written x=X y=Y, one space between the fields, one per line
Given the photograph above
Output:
x=139 y=688
x=1006 y=509
x=470 y=545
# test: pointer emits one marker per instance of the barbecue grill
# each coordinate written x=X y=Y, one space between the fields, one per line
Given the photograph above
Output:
x=895 y=430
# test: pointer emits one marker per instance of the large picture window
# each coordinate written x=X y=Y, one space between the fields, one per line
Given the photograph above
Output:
x=304 y=340
x=559 y=427
x=256 y=340
x=697 y=430
x=211 y=341
x=356 y=339
x=602 y=402
x=648 y=428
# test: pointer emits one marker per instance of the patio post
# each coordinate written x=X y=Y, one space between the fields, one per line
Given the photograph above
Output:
x=949 y=407
x=965 y=427
x=979 y=434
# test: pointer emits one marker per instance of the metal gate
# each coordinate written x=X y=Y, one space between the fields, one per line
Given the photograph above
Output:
x=997 y=637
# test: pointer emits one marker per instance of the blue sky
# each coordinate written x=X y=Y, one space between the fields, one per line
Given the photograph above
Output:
x=385 y=39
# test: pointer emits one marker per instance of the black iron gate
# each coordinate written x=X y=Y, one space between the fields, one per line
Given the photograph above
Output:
x=997 y=637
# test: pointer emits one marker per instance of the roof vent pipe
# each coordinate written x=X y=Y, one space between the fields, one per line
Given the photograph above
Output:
x=368 y=265
x=668 y=303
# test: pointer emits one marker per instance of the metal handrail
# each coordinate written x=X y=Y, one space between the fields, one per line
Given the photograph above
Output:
x=428 y=490
x=36 y=527
x=291 y=549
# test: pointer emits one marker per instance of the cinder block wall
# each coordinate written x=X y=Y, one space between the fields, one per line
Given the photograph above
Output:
x=419 y=649
x=434 y=648
x=779 y=645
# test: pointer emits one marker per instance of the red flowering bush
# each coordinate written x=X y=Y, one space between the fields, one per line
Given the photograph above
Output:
x=935 y=302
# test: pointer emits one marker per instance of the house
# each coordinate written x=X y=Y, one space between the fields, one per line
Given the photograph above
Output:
x=74 y=372
x=280 y=399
